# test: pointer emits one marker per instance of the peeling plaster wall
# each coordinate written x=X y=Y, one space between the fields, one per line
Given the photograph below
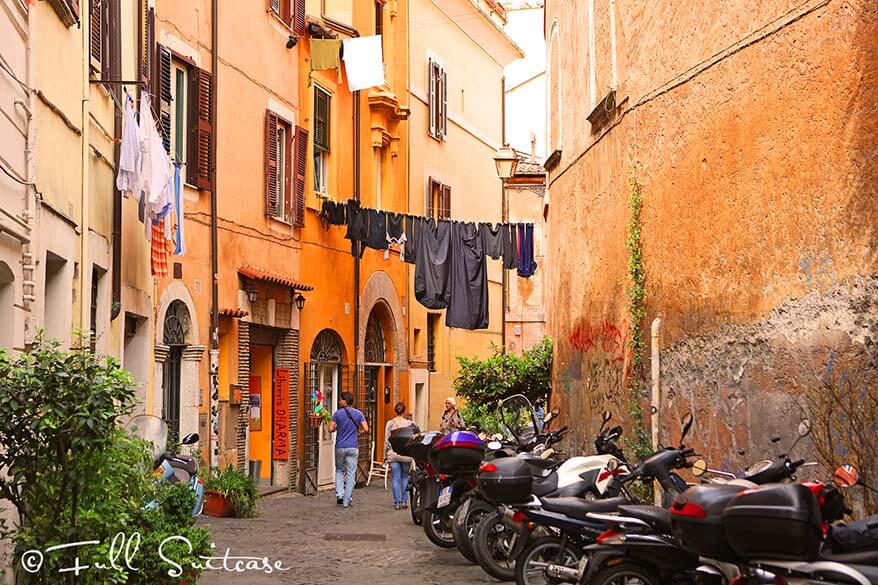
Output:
x=753 y=128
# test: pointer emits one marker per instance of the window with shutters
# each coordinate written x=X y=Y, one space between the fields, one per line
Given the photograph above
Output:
x=438 y=100
x=182 y=104
x=291 y=13
x=322 y=128
x=101 y=24
x=279 y=200
x=439 y=200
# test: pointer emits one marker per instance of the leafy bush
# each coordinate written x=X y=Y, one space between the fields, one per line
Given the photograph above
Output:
x=73 y=474
x=241 y=489
x=483 y=383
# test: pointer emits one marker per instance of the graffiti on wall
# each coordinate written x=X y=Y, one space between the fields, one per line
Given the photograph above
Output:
x=817 y=270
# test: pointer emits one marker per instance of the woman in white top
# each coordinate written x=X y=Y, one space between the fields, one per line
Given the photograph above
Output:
x=399 y=464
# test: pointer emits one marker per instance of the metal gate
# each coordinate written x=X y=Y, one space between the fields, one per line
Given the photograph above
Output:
x=361 y=382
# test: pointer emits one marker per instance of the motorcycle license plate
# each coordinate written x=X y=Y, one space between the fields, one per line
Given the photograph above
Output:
x=444 y=497
x=461 y=518
x=583 y=563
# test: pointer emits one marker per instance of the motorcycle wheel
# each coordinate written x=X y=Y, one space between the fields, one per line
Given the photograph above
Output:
x=437 y=527
x=415 y=504
x=530 y=569
x=464 y=522
x=625 y=574
x=493 y=541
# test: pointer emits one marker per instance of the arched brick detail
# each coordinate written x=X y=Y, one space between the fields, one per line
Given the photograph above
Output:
x=379 y=288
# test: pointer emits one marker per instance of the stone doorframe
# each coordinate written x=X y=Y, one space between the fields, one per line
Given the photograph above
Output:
x=379 y=289
x=190 y=366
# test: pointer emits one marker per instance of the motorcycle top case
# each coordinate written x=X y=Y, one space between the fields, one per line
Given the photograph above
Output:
x=697 y=520
x=778 y=521
x=419 y=445
x=399 y=438
x=458 y=453
x=508 y=480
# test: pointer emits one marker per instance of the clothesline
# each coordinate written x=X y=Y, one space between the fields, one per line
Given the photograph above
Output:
x=450 y=256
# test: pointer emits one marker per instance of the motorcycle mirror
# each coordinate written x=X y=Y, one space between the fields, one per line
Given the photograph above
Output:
x=804 y=428
x=190 y=439
x=555 y=412
x=699 y=467
x=548 y=418
x=687 y=421
x=846 y=476
x=494 y=445
x=606 y=416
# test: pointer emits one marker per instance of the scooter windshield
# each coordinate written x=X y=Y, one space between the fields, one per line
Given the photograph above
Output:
x=151 y=429
x=517 y=418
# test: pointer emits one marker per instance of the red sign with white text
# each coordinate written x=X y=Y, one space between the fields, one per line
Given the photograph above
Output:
x=281 y=413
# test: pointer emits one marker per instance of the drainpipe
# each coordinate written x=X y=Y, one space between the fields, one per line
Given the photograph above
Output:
x=356 y=245
x=116 y=73
x=504 y=208
x=656 y=402
x=85 y=202
x=28 y=267
x=214 y=248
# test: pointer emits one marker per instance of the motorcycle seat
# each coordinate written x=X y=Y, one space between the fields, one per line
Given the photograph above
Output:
x=658 y=518
x=579 y=508
x=544 y=486
x=181 y=461
x=867 y=557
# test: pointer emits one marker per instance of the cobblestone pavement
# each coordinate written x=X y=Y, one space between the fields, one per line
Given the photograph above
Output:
x=322 y=543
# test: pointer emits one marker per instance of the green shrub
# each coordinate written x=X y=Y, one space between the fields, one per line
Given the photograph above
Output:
x=74 y=475
x=240 y=488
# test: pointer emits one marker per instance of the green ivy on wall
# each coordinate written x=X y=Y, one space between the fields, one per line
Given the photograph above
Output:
x=640 y=444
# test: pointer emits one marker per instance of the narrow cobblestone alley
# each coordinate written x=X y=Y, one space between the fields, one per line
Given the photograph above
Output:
x=323 y=543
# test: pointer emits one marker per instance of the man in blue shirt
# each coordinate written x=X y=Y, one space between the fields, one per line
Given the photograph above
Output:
x=349 y=423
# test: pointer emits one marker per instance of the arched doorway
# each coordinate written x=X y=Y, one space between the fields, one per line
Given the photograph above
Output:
x=378 y=376
x=325 y=372
x=176 y=327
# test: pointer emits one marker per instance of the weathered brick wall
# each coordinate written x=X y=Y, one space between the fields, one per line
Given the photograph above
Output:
x=753 y=128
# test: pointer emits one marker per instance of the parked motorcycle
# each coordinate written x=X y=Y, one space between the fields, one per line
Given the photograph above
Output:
x=576 y=483
x=168 y=465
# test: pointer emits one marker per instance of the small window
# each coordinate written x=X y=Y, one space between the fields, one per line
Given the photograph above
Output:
x=418 y=342
x=439 y=200
x=379 y=18
x=278 y=167
x=432 y=339
x=438 y=100
x=180 y=118
x=322 y=128
x=291 y=12
x=95 y=280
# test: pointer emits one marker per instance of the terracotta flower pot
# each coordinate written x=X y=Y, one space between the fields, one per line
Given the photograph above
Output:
x=216 y=504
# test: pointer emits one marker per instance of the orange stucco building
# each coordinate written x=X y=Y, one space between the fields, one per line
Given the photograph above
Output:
x=297 y=312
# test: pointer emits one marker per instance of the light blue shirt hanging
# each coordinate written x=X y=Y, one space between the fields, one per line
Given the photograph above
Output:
x=180 y=249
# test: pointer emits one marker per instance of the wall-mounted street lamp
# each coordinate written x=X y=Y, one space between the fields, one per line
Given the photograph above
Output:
x=506 y=161
x=300 y=301
x=252 y=294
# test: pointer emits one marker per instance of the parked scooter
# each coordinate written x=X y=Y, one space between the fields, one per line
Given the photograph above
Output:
x=169 y=466
x=579 y=524
x=500 y=537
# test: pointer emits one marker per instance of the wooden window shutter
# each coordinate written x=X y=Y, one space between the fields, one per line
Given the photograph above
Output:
x=162 y=93
x=300 y=166
x=433 y=195
x=95 y=32
x=74 y=8
x=445 y=202
x=198 y=155
x=147 y=42
x=298 y=17
x=274 y=5
x=444 y=117
x=271 y=194
x=432 y=97
x=321 y=120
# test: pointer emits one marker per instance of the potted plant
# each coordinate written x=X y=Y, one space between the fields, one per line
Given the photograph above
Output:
x=229 y=492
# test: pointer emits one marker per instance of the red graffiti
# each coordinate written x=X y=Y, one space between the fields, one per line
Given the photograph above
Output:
x=607 y=337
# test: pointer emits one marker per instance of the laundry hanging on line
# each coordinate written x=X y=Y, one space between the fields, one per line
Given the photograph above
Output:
x=363 y=62
x=146 y=174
